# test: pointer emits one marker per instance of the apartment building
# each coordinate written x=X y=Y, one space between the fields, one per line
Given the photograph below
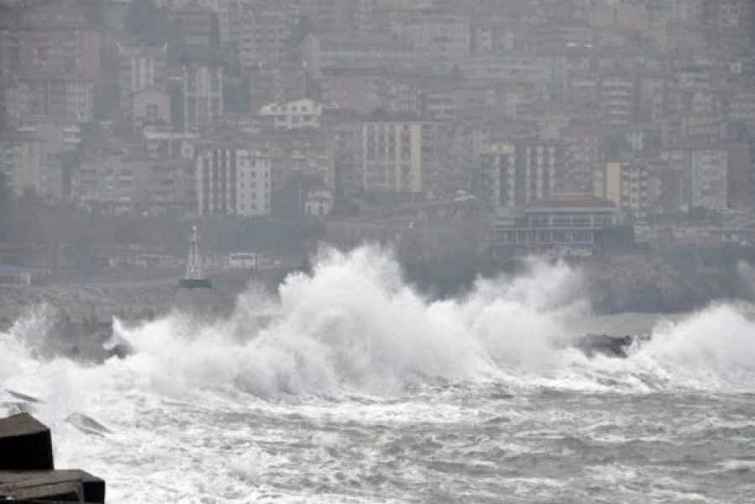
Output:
x=297 y=114
x=517 y=174
x=231 y=180
x=393 y=156
x=202 y=95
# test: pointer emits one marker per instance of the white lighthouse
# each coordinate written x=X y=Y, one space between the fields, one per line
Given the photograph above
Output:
x=195 y=278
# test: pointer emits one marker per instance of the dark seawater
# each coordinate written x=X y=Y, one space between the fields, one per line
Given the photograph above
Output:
x=351 y=388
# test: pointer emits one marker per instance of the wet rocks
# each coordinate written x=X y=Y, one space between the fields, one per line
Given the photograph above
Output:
x=603 y=344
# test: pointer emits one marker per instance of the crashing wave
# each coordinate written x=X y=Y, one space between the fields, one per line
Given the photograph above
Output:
x=354 y=325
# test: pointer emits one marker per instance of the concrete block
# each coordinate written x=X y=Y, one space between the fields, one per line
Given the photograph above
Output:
x=63 y=486
x=25 y=444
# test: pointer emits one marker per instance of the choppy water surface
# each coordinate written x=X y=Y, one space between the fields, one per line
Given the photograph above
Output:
x=352 y=388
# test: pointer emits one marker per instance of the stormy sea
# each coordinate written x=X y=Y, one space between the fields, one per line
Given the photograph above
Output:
x=351 y=387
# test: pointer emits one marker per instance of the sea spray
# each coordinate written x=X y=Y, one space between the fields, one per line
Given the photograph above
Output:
x=354 y=326
x=351 y=387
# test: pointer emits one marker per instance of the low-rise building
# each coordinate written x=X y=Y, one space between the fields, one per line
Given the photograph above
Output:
x=319 y=202
x=150 y=106
x=304 y=113
x=566 y=226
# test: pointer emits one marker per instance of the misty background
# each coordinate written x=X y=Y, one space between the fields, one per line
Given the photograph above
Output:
x=465 y=135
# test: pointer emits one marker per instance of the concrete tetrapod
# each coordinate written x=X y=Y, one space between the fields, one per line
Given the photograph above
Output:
x=27 y=471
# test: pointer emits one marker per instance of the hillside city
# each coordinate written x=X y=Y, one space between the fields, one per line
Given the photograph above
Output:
x=491 y=129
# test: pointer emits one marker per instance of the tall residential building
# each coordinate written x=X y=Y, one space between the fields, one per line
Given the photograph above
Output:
x=617 y=100
x=232 y=181
x=198 y=26
x=393 y=158
x=202 y=95
x=37 y=157
x=57 y=98
x=446 y=37
x=521 y=173
x=264 y=35
x=626 y=184
x=140 y=67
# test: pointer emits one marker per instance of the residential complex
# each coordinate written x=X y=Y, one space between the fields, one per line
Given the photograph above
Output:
x=310 y=108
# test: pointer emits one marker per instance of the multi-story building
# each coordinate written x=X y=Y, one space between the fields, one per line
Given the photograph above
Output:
x=62 y=98
x=322 y=53
x=572 y=225
x=117 y=181
x=140 y=67
x=582 y=157
x=163 y=143
x=198 y=26
x=626 y=185
x=347 y=147
x=264 y=35
x=393 y=156
x=445 y=37
x=514 y=175
x=202 y=95
x=617 y=100
x=38 y=157
x=56 y=38
x=150 y=106
x=702 y=174
x=304 y=113
x=21 y=157
x=231 y=180
x=511 y=68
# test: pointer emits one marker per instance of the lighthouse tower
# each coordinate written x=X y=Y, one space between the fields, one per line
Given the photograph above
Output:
x=194 y=278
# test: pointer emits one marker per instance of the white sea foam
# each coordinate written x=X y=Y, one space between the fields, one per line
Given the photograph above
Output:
x=355 y=326
x=353 y=347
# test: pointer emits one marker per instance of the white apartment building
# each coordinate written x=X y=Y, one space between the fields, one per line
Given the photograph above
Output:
x=253 y=185
x=520 y=174
x=297 y=114
x=233 y=181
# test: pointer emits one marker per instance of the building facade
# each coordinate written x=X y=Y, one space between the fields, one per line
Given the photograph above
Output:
x=202 y=95
x=232 y=181
x=304 y=113
x=392 y=156
x=518 y=174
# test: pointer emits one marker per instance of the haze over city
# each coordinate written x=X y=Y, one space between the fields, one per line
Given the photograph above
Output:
x=382 y=250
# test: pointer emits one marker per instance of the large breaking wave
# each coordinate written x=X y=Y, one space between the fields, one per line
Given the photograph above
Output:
x=354 y=326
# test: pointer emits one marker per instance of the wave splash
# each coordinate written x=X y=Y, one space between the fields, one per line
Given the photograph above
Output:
x=354 y=326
